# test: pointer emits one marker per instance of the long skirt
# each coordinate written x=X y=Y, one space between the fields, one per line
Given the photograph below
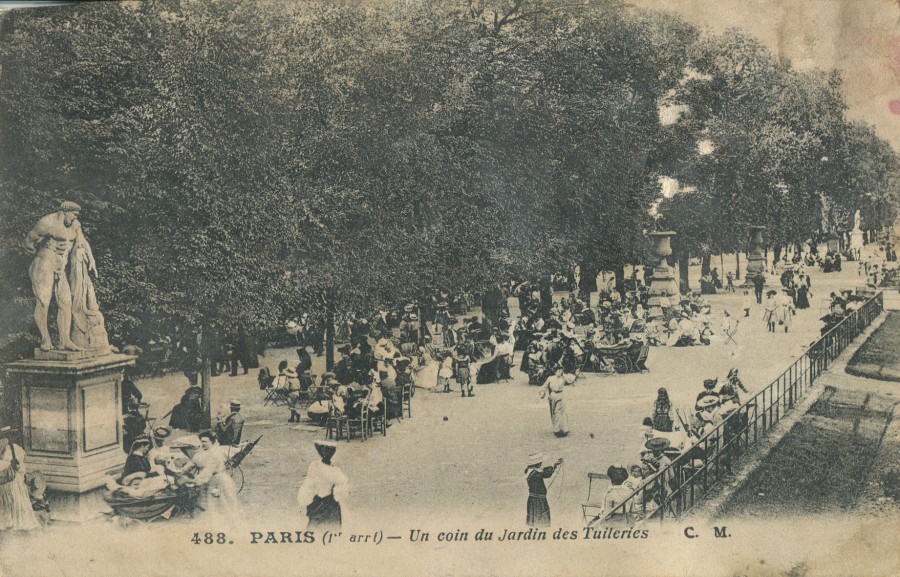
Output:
x=538 y=513
x=463 y=376
x=324 y=513
x=15 y=506
x=558 y=415
x=221 y=500
x=488 y=372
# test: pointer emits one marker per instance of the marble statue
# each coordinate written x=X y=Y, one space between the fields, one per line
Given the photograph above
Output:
x=61 y=269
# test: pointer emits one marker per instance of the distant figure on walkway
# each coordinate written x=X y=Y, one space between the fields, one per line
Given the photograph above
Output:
x=662 y=421
x=769 y=311
x=553 y=389
x=538 y=509
x=759 y=281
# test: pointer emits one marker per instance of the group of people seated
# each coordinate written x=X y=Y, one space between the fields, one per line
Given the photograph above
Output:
x=689 y=323
x=841 y=304
x=153 y=466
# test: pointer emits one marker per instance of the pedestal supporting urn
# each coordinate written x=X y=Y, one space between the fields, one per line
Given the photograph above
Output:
x=664 y=286
x=756 y=257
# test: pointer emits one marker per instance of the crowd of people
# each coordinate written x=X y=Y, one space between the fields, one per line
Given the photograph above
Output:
x=667 y=438
x=384 y=353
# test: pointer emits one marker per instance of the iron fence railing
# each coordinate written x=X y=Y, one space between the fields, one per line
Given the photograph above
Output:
x=679 y=486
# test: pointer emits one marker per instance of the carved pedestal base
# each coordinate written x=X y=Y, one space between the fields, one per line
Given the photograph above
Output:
x=72 y=426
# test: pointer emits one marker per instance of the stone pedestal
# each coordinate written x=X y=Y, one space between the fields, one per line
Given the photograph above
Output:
x=756 y=257
x=856 y=241
x=664 y=286
x=72 y=425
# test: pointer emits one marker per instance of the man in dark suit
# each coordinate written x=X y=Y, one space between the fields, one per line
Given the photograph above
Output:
x=230 y=429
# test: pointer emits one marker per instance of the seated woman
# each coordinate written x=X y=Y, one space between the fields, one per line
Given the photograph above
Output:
x=375 y=398
x=488 y=370
x=617 y=494
x=138 y=461
x=392 y=396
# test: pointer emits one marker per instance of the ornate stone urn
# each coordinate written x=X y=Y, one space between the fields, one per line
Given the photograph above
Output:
x=756 y=257
x=664 y=286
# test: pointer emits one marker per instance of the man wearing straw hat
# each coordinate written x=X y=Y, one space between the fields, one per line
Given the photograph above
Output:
x=538 y=508
x=229 y=430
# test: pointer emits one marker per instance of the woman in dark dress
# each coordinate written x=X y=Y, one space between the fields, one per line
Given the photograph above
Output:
x=802 y=300
x=662 y=421
x=538 y=510
x=188 y=414
x=137 y=461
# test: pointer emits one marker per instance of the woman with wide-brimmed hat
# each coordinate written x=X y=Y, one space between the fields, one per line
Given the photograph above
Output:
x=538 y=508
x=324 y=489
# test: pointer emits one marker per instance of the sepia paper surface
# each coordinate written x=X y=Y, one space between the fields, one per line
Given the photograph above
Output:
x=421 y=496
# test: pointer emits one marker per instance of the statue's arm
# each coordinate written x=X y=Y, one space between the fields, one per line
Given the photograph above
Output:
x=35 y=236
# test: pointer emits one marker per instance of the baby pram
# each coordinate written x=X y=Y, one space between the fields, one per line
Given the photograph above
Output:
x=162 y=505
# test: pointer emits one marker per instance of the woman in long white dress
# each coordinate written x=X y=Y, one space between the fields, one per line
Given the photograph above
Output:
x=221 y=494
x=553 y=388
x=16 y=512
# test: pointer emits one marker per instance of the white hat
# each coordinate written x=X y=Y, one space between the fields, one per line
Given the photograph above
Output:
x=535 y=458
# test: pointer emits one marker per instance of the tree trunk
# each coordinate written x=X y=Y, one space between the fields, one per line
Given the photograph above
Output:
x=776 y=254
x=737 y=265
x=705 y=264
x=620 y=279
x=206 y=374
x=684 y=279
x=329 y=331
x=588 y=281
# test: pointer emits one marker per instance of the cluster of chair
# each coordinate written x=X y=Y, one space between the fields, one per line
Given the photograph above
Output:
x=367 y=422
x=286 y=396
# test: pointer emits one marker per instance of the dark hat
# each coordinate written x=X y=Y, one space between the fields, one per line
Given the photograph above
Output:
x=710 y=383
x=326 y=449
x=657 y=444
x=141 y=441
x=617 y=474
x=161 y=432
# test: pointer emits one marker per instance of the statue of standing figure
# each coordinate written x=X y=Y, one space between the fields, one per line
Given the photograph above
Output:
x=59 y=244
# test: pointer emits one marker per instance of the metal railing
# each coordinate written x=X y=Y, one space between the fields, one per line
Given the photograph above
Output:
x=680 y=485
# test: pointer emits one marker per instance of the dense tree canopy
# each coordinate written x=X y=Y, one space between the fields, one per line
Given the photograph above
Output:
x=242 y=161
